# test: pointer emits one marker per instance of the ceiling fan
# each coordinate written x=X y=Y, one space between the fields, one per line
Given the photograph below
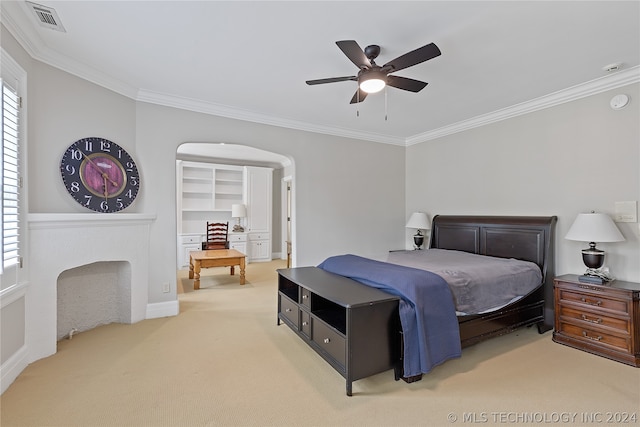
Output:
x=373 y=78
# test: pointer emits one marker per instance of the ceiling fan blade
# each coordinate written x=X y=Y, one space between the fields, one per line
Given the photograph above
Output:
x=331 y=80
x=354 y=52
x=405 y=83
x=359 y=96
x=412 y=58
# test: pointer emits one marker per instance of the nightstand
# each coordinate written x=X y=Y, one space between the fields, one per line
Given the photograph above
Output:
x=600 y=319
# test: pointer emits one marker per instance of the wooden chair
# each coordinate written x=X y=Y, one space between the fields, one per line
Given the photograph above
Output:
x=217 y=233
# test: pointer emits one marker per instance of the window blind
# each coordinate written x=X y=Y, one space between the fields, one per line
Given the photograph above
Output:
x=10 y=177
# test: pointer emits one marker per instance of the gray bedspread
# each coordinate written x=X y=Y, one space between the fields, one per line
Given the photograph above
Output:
x=478 y=283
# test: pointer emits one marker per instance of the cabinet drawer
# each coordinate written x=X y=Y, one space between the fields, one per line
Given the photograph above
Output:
x=185 y=240
x=305 y=323
x=259 y=236
x=305 y=297
x=623 y=325
x=289 y=309
x=329 y=340
x=595 y=337
x=237 y=237
x=590 y=301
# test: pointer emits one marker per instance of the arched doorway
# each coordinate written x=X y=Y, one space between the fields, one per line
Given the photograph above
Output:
x=232 y=159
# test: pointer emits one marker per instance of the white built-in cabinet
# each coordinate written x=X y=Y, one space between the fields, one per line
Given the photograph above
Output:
x=206 y=187
x=206 y=191
x=258 y=196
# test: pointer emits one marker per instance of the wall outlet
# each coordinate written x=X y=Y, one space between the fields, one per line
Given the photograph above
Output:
x=166 y=288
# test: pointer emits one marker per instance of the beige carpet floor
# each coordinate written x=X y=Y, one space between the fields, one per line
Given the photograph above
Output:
x=223 y=362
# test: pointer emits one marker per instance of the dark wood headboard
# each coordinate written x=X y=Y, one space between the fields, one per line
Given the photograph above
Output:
x=529 y=238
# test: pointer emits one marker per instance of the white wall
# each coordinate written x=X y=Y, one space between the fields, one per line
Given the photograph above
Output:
x=572 y=158
x=349 y=194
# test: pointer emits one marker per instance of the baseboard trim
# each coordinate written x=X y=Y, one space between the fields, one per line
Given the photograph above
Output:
x=10 y=369
x=162 y=309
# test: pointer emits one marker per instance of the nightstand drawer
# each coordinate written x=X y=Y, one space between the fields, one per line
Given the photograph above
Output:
x=591 y=301
x=595 y=337
x=595 y=319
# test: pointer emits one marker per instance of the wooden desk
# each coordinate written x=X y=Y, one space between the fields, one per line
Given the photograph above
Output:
x=215 y=258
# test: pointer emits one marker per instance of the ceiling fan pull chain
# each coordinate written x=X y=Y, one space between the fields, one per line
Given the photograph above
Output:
x=386 y=110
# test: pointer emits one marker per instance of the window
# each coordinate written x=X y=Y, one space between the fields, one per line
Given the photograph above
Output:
x=13 y=83
x=10 y=176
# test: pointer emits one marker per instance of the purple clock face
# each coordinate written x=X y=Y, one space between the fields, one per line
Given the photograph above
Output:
x=102 y=175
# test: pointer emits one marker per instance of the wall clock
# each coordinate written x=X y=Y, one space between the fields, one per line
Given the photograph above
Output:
x=100 y=175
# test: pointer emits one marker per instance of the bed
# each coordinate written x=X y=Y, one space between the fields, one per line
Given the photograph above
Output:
x=530 y=239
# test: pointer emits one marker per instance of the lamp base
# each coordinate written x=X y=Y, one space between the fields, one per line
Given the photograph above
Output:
x=238 y=228
x=596 y=275
x=592 y=257
x=418 y=240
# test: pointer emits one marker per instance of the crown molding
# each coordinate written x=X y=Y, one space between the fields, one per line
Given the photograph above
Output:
x=251 y=116
x=602 y=84
x=14 y=18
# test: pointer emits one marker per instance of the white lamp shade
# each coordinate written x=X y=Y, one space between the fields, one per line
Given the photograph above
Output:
x=418 y=220
x=238 y=211
x=594 y=227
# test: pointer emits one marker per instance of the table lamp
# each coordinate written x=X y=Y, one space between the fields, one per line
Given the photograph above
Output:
x=238 y=211
x=594 y=227
x=419 y=221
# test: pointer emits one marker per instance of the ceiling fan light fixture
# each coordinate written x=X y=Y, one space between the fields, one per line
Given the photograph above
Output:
x=372 y=82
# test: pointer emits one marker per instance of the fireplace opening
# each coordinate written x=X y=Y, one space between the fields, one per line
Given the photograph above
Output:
x=92 y=295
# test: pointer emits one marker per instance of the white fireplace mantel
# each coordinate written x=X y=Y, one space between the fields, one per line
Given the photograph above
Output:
x=48 y=220
x=61 y=241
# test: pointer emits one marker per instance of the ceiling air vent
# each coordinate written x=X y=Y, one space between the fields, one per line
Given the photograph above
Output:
x=46 y=17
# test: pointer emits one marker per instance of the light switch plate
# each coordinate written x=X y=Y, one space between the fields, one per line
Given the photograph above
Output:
x=626 y=211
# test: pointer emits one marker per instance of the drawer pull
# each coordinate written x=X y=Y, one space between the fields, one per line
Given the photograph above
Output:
x=327 y=340
x=305 y=296
x=288 y=310
x=597 y=320
x=304 y=323
x=586 y=301
x=591 y=288
x=584 y=334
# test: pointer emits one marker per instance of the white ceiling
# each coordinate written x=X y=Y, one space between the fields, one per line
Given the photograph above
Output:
x=250 y=60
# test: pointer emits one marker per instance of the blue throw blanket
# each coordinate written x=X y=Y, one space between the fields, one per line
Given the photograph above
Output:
x=427 y=312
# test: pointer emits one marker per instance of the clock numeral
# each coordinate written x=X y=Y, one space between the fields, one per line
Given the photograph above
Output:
x=105 y=146
x=104 y=205
x=88 y=145
x=119 y=203
x=88 y=199
x=133 y=180
x=76 y=154
x=130 y=166
x=70 y=169
x=75 y=186
x=129 y=194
